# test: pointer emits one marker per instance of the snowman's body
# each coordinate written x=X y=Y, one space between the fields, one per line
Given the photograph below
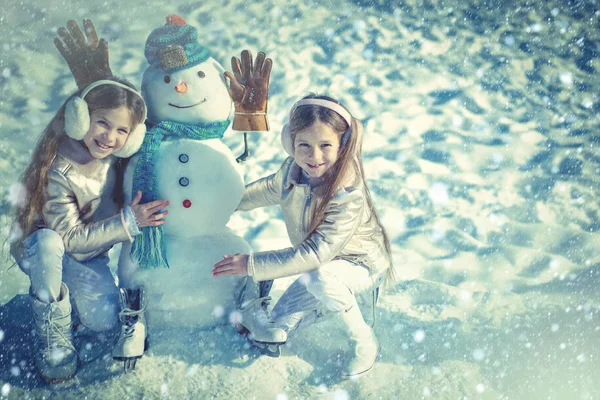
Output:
x=204 y=185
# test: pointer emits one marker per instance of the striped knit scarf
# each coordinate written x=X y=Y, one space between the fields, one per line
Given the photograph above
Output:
x=148 y=247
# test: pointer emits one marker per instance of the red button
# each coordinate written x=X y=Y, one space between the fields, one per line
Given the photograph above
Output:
x=187 y=203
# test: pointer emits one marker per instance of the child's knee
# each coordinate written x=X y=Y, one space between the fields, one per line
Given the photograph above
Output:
x=101 y=317
x=47 y=243
x=43 y=250
x=316 y=280
x=325 y=286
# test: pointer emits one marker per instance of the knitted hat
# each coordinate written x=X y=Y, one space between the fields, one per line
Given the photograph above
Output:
x=175 y=46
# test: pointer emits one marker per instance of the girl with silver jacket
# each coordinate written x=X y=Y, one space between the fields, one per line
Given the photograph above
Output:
x=339 y=246
x=71 y=213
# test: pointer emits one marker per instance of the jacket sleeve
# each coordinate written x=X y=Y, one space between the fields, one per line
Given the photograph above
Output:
x=342 y=217
x=265 y=191
x=62 y=214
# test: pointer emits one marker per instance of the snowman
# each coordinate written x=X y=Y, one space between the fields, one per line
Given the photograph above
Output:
x=184 y=161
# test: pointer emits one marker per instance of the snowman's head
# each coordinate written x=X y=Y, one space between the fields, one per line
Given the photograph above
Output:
x=190 y=96
x=183 y=83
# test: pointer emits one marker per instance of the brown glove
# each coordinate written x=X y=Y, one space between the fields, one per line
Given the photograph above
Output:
x=249 y=90
x=87 y=59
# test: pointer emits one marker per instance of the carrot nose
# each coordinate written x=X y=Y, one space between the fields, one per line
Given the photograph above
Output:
x=181 y=88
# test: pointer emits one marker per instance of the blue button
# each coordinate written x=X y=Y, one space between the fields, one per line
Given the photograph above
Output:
x=184 y=181
x=184 y=158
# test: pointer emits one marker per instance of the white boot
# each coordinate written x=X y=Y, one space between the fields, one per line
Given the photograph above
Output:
x=55 y=354
x=366 y=347
x=291 y=323
x=131 y=343
x=255 y=319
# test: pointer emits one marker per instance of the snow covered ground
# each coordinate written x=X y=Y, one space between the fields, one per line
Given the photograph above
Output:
x=481 y=149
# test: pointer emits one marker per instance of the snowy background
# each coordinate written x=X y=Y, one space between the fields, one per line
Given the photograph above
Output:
x=481 y=150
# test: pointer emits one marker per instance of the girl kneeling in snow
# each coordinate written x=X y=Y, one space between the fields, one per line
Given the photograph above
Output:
x=339 y=245
x=74 y=214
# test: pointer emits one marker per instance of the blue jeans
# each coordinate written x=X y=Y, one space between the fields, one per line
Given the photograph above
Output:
x=94 y=293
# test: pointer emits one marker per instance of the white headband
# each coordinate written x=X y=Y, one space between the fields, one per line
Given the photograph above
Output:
x=327 y=104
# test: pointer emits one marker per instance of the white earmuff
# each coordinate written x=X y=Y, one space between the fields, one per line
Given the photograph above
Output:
x=286 y=140
x=77 y=119
x=134 y=142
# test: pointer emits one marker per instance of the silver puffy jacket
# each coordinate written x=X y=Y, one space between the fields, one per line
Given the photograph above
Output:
x=347 y=231
x=79 y=204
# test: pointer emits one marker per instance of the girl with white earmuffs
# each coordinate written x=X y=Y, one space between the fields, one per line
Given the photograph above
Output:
x=339 y=247
x=73 y=212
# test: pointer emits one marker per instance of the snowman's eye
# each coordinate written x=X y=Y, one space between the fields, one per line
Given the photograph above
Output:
x=201 y=74
x=167 y=79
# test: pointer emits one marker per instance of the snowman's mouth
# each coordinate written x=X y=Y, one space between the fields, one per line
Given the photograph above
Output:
x=193 y=105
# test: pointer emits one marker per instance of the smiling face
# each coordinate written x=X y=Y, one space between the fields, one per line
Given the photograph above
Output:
x=191 y=96
x=316 y=149
x=108 y=131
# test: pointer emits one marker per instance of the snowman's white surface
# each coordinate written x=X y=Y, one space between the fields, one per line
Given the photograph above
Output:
x=207 y=98
x=204 y=185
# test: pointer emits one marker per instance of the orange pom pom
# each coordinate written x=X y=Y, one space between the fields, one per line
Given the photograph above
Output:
x=174 y=19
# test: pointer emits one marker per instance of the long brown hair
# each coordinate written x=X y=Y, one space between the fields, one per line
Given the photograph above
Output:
x=35 y=176
x=348 y=167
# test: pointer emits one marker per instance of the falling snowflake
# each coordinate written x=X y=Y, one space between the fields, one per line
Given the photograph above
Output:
x=218 y=311
x=497 y=158
x=359 y=25
x=438 y=193
x=509 y=41
x=566 y=78
x=419 y=335
x=235 y=317
x=17 y=195
x=478 y=355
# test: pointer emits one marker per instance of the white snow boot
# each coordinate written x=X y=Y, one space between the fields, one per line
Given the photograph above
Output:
x=366 y=347
x=291 y=323
x=252 y=300
x=131 y=343
x=255 y=319
x=55 y=355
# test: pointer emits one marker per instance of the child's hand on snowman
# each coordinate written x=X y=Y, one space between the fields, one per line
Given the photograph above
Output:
x=236 y=264
x=149 y=214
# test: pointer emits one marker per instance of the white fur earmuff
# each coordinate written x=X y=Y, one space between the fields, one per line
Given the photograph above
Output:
x=286 y=140
x=77 y=119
